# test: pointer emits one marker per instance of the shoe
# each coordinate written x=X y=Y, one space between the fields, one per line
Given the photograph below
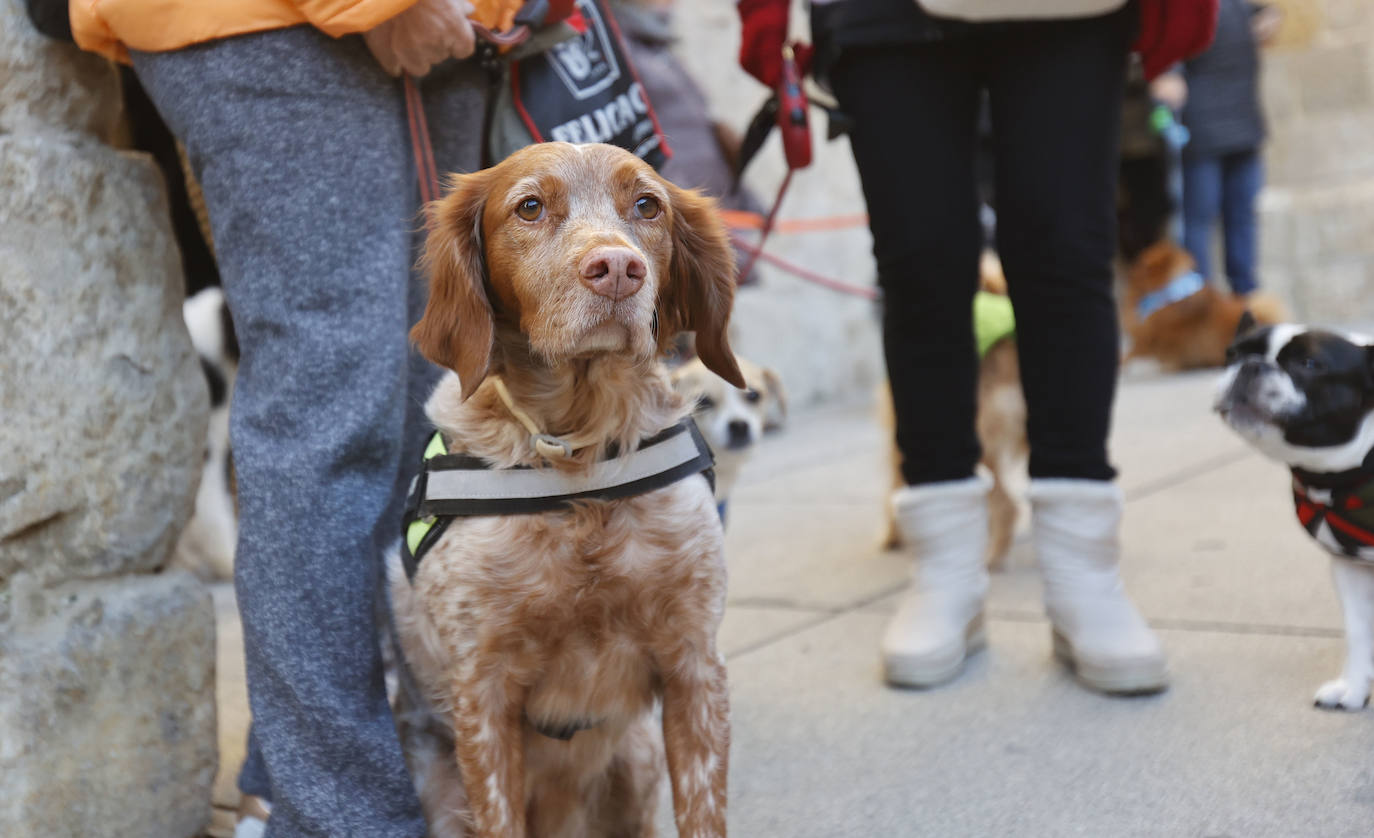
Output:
x=1097 y=631
x=940 y=620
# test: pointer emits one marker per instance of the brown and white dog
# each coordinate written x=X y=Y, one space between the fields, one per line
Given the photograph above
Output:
x=1177 y=319
x=563 y=272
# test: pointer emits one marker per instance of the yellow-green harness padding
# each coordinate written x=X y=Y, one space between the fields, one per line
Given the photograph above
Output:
x=419 y=528
x=993 y=320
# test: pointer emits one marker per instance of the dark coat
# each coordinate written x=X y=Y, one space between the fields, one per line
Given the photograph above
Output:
x=1223 y=109
x=836 y=27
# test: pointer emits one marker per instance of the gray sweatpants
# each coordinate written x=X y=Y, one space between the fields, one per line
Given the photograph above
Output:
x=300 y=143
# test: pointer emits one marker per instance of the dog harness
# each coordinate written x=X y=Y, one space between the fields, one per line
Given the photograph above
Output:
x=460 y=485
x=1179 y=288
x=457 y=485
x=1345 y=501
x=993 y=320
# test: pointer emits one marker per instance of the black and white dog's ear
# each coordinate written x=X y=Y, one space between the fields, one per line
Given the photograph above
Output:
x=1247 y=322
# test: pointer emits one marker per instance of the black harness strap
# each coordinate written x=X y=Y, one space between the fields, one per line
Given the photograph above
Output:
x=438 y=508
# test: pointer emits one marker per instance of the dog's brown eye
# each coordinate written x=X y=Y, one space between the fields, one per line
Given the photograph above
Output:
x=530 y=209
x=705 y=403
x=647 y=206
x=752 y=396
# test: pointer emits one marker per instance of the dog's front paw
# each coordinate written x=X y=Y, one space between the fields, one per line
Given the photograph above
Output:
x=1340 y=695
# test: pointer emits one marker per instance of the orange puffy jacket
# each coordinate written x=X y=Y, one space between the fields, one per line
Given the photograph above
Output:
x=113 y=27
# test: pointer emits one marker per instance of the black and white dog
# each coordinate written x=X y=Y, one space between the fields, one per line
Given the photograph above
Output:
x=206 y=546
x=1305 y=397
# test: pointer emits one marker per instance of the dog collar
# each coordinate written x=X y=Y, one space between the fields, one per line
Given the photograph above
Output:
x=1179 y=288
x=1344 y=500
x=545 y=445
x=460 y=485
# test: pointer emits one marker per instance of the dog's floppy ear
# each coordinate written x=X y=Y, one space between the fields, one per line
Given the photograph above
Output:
x=1247 y=322
x=701 y=282
x=457 y=327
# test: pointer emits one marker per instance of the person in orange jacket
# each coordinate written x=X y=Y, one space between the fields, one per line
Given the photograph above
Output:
x=294 y=121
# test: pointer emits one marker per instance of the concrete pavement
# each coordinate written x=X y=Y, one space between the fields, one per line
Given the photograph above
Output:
x=1217 y=563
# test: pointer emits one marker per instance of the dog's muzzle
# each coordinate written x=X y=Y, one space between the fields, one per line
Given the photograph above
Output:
x=1256 y=391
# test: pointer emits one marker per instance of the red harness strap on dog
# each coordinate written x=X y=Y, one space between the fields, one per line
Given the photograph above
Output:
x=1349 y=513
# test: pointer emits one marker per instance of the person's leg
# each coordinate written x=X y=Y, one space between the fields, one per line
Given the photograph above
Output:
x=299 y=142
x=454 y=98
x=1201 y=208
x=1242 y=175
x=253 y=779
x=453 y=95
x=915 y=117
x=915 y=114
x=1056 y=101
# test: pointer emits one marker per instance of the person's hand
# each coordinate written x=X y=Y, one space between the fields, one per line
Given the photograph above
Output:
x=1171 y=90
x=763 y=30
x=1265 y=24
x=423 y=35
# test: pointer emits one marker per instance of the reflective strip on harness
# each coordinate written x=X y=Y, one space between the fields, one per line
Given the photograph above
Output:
x=540 y=483
x=457 y=485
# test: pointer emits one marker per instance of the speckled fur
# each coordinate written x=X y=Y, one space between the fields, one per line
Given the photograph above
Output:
x=602 y=612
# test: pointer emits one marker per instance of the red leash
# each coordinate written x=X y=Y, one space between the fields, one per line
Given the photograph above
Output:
x=756 y=253
x=768 y=222
x=419 y=141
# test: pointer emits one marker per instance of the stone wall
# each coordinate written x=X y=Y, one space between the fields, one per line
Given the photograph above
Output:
x=107 y=708
x=1317 y=211
x=825 y=345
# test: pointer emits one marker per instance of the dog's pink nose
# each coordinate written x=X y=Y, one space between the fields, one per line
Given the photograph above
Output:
x=615 y=272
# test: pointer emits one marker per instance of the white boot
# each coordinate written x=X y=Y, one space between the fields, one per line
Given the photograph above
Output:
x=941 y=619
x=1097 y=631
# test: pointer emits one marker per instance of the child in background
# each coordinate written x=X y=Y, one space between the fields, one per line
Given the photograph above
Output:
x=1222 y=168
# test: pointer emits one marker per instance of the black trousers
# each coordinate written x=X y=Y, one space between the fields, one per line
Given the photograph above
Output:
x=1054 y=91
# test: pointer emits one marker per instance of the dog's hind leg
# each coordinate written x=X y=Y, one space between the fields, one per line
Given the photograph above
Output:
x=1001 y=523
x=437 y=783
x=1355 y=586
x=626 y=809
x=559 y=809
